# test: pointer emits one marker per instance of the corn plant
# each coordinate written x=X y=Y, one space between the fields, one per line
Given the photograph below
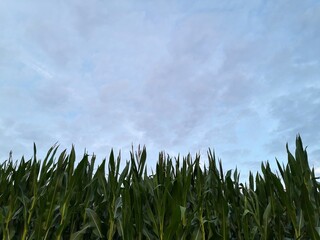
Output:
x=55 y=198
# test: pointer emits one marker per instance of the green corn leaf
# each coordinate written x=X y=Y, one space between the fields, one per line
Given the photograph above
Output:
x=79 y=234
x=309 y=213
x=95 y=221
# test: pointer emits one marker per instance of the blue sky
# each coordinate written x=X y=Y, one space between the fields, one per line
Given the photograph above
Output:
x=241 y=77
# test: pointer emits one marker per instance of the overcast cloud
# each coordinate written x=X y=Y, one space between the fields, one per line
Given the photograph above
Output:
x=241 y=77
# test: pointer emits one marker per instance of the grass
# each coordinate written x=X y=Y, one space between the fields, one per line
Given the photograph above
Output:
x=56 y=199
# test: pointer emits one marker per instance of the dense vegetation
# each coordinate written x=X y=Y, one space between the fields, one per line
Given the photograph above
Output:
x=54 y=199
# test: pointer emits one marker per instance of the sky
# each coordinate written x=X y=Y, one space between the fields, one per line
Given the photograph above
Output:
x=239 y=77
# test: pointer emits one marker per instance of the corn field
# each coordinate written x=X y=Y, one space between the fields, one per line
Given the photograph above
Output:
x=57 y=199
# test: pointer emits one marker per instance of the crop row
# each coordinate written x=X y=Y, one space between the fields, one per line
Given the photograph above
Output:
x=58 y=199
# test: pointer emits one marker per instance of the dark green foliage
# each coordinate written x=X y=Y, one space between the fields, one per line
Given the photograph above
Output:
x=54 y=199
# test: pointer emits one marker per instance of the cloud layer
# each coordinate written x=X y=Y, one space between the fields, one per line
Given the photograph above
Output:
x=241 y=77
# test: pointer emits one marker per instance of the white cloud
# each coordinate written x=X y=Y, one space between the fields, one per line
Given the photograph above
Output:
x=38 y=67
